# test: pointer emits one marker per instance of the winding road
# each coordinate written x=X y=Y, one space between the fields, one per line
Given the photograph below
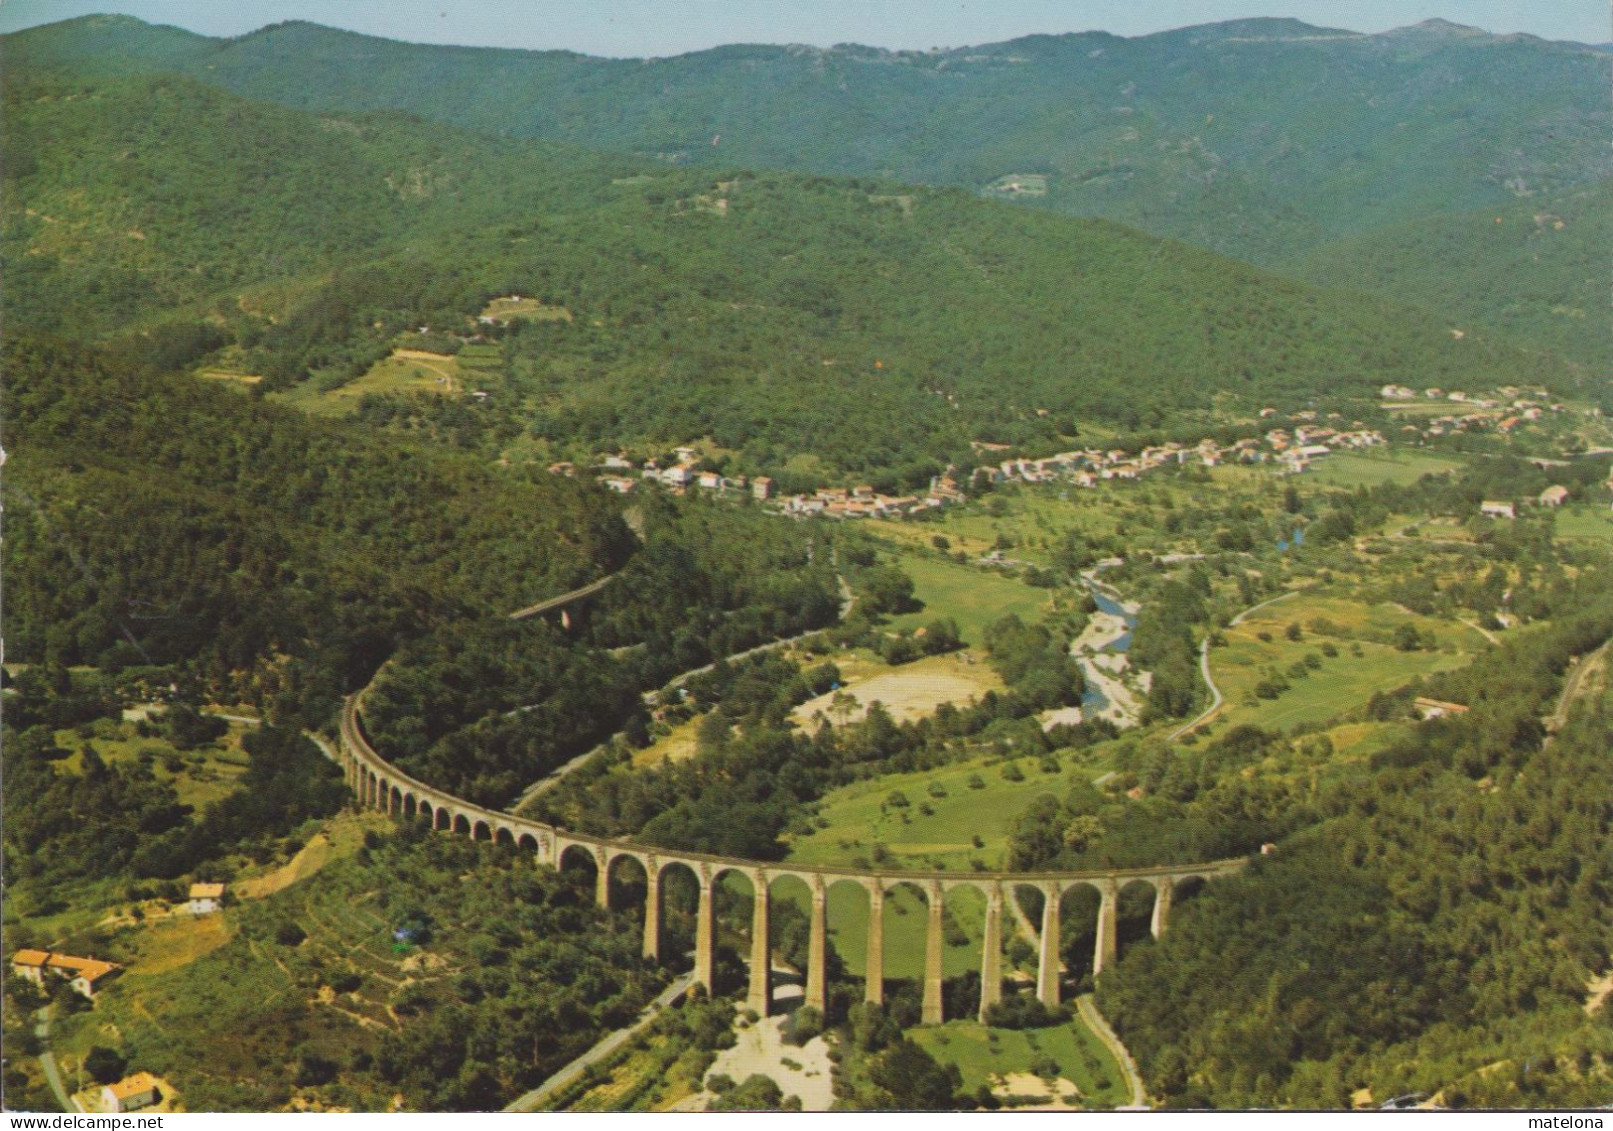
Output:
x=548 y=781
x=1216 y=699
x=1087 y=1007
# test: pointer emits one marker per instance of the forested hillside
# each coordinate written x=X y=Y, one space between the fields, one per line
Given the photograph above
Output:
x=875 y=328
x=1535 y=268
x=132 y=199
x=1427 y=920
x=274 y=558
x=1265 y=139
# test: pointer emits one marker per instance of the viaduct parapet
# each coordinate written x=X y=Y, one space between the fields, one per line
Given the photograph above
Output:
x=379 y=785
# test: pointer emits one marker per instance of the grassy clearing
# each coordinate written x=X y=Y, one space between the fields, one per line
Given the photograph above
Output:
x=1343 y=681
x=1353 y=742
x=529 y=308
x=674 y=746
x=1032 y=519
x=910 y=691
x=175 y=942
x=341 y=837
x=230 y=377
x=200 y=777
x=406 y=371
x=972 y=597
x=1400 y=466
x=920 y=535
x=985 y=1055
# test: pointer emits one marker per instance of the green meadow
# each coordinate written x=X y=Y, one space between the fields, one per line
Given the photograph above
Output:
x=859 y=816
x=1343 y=681
x=1358 y=469
x=981 y=1054
x=1585 y=522
x=971 y=596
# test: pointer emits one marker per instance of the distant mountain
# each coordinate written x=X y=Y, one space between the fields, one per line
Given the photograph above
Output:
x=1266 y=139
x=1253 y=137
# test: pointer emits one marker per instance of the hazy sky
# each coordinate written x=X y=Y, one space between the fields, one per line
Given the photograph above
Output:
x=670 y=27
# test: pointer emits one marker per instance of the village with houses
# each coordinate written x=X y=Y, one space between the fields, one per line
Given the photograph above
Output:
x=1290 y=451
x=1307 y=438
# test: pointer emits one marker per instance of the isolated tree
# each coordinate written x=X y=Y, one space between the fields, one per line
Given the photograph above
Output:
x=104 y=1065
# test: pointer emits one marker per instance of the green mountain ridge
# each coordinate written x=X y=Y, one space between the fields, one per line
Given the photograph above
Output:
x=1263 y=139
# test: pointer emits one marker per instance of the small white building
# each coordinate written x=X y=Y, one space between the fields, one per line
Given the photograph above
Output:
x=1554 y=496
x=205 y=899
x=131 y=1093
x=1489 y=508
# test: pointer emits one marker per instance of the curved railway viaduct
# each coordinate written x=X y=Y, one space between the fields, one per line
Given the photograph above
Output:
x=379 y=785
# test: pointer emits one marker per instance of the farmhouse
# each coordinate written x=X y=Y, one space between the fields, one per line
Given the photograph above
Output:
x=81 y=973
x=1554 y=496
x=205 y=898
x=1492 y=509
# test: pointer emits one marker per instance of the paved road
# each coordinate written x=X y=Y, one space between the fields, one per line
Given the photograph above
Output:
x=47 y=1060
x=1204 y=669
x=547 y=782
x=1571 y=688
x=604 y=1048
x=1088 y=1009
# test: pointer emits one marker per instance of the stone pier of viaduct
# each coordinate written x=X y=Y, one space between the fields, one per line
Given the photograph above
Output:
x=379 y=785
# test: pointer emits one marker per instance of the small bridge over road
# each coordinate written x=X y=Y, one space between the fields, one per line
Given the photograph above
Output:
x=564 y=599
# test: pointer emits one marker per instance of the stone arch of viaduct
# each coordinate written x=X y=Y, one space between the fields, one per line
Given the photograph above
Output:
x=379 y=785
